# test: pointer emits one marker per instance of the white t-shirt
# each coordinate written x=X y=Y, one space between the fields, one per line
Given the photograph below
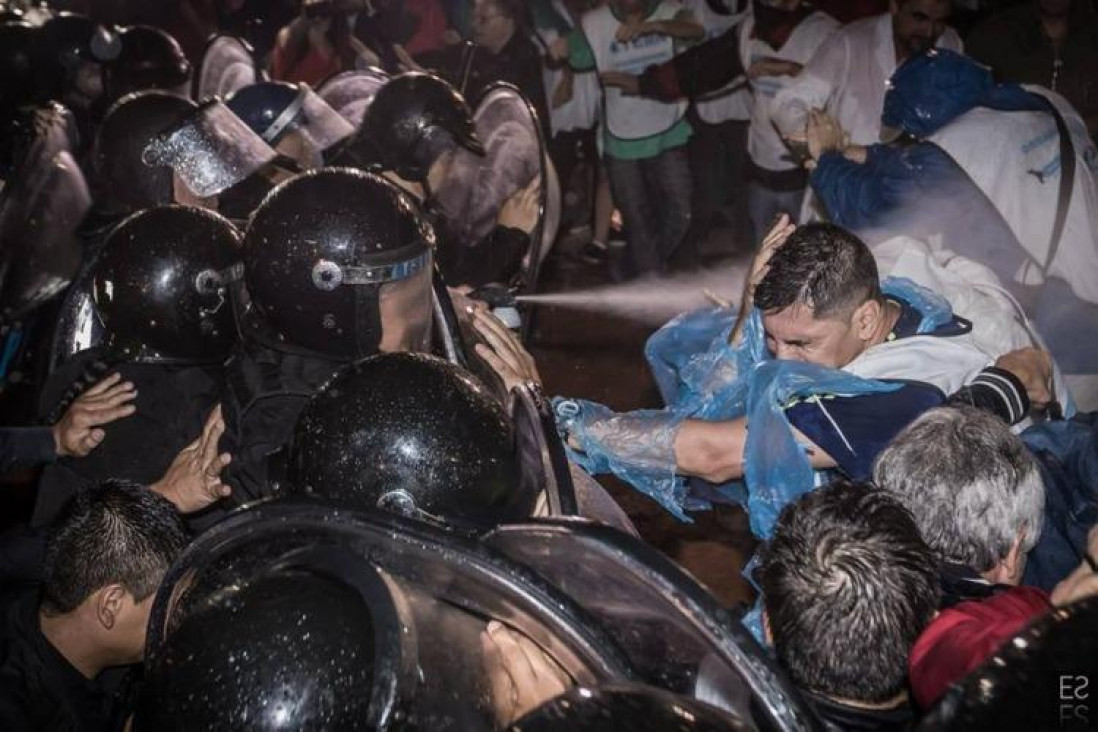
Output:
x=764 y=144
x=633 y=117
x=581 y=112
x=848 y=76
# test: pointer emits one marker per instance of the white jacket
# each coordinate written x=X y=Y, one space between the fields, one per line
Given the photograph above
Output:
x=848 y=76
x=763 y=141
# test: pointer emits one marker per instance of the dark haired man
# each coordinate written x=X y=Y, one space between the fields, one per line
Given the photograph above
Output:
x=847 y=586
x=820 y=296
x=104 y=562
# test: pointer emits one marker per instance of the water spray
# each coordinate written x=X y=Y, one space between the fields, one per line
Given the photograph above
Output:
x=652 y=301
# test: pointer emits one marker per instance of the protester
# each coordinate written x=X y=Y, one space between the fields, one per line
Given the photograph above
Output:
x=847 y=586
x=644 y=140
x=848 y=75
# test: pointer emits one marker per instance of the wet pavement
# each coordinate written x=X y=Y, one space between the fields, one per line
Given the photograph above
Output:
x=601 y=358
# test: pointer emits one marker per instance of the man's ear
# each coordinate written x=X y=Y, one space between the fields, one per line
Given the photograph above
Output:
x=866 y=318
x=108 y=605
x=1014 y=562
x=767 y=635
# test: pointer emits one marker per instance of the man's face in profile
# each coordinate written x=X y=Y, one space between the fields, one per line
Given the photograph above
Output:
x=918 y=24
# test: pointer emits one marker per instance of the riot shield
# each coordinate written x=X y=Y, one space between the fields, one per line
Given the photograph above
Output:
x=430 y=593
x=79 y=326
x=676 y=635
x=351 y=92
x=227 y=65
x=606 y=608
x=39 y=250
x=476 y=189
x=542 y=462
x=210 y=151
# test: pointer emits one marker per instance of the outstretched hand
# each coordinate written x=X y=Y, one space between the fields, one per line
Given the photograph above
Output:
x=503 y=351
x=193 y=480
x=78 y=431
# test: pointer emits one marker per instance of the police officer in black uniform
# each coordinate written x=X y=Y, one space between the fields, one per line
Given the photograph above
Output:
x=338 y=266
x=411 y=130
x=148 y=58
x=161 y=289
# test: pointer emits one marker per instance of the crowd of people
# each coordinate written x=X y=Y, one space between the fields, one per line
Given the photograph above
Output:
x=292 y=462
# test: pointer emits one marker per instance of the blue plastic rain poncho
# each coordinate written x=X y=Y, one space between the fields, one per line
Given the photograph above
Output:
x=701 y=376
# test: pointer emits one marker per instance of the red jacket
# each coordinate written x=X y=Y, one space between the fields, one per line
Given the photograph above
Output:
x=965 y=635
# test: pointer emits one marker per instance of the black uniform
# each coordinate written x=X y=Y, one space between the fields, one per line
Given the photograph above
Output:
x=172 y=405
x=39 y=688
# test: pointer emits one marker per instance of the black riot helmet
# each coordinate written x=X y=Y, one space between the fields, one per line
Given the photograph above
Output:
x=338 y=263
x=628 y=707
x=1044 y=673
x=17 y=61
x=67 y=41
x=149 y=59
x=414 y=119
x=289 y=649
x=161 y=285
x=122 y=179
x=412 y=434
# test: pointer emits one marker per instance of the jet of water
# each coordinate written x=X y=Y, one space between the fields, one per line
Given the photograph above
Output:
x=653 y=300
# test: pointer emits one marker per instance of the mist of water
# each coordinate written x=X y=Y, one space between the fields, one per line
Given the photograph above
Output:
x=654 y=300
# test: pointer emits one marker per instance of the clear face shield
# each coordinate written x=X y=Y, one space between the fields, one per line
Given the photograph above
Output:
x=405 y=307
x=312 y=118
x=210 y=151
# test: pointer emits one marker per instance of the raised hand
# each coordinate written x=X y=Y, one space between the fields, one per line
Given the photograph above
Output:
x=78 y=431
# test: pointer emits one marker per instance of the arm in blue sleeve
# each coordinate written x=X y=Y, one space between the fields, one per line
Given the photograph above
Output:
x=859 y=196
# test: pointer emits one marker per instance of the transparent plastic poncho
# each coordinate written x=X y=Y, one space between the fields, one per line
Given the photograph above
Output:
x=701 y=376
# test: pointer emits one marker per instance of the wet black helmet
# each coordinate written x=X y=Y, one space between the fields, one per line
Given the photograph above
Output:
x=413 y=119
x=634 y=708
x=161 y=285
x=338 y=262
x=17 y=61
x=412 y=434
x=65 y=42
x=149 y=59
x=122 y=180
x=286 y=650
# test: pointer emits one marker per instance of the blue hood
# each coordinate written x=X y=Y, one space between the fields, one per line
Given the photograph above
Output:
x=932 y=89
